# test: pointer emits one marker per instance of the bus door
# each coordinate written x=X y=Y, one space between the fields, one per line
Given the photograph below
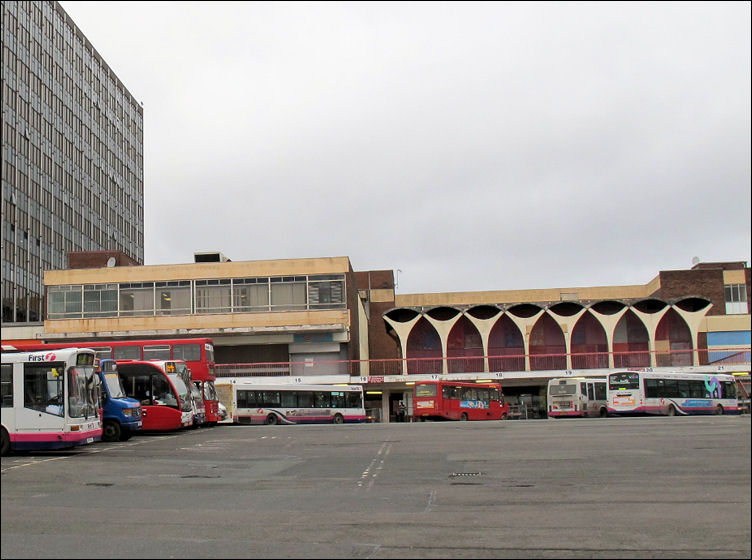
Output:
x=43 y=398
x=149 y=385
x=162 y=403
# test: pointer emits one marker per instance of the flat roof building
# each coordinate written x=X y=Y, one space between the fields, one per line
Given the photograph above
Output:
x=72 y=144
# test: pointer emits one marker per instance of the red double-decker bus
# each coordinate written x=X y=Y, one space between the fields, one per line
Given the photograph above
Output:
x=197 y=353
x=455 y=400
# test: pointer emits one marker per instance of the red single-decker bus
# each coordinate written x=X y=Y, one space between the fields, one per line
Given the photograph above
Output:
x=455 y=400
x=160 y=388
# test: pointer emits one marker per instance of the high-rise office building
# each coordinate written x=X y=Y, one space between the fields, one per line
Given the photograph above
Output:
x=72 y=154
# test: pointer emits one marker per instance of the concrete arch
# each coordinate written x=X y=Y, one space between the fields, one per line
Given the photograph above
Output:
x=402 y=330
x=525 y=325
x=484 y=326
x=547 y=340
x=463 y=342
x=609 y=321
x=694 y=320
x=424 y=341
x=505 y=338
x=672 y=338
x=566 y=324
x=650 y=320
x=588 y=343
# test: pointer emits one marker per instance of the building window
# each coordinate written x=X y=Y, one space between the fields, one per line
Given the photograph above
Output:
x=288 y=293
x=64 y=302
x=137 y=299
x=213 y=296
x=250 y=294
x=736 y=299
x=173 y=298
x=100 y=300
x=325 y=292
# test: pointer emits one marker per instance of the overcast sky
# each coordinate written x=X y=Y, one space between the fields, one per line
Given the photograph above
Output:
x=472 y=146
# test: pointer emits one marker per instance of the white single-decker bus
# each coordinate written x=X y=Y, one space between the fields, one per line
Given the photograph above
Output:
x=291 y=403
x=50 y=400
x=671 y=393
x=577 y=396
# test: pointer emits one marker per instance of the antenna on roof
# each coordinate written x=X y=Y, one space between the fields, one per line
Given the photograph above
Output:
x=695 y=260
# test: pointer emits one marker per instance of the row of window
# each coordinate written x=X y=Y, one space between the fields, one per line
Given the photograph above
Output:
x=485 y=394
x=241 y=295
x=300 y=399
x=684 y=389
x=190 y=352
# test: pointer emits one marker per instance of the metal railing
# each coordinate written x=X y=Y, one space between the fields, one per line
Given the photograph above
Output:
x=485 y=364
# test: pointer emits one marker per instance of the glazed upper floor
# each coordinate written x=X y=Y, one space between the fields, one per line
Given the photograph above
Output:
x=672 y=311
x=315 y=294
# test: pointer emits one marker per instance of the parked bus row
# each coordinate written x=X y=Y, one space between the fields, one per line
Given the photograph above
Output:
x=46 y=393
x=61 y=398
x=643 y=392
x=196 y=353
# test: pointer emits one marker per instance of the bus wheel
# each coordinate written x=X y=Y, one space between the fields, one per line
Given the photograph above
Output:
x=271 y=419
x=719 y=410
x=463 y=417
x=338 y=419
x=5 y=442
x=111 y=431
x=671 y=410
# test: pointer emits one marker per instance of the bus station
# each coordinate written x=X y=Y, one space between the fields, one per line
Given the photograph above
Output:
x=317 y=320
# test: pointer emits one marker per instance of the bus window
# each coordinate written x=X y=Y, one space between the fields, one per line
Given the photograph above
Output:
x=729 y=389
x=127 y=353
x=103 y=352
x=138 y=387
x=600 y=391
x=338 y=399
x=162 y=392
x=305 y=399
x=683 y=388
x=670 y=388
x=562 y=389
x=157 y=352
x=624 y=381
x=425 y=390
x=6 y=385
x=321 y=399
x=43 y=388
x=269 y=398
x=354 y=400
x=590 y=391
x=289 y=399
x=696 y=389
x=83 y=391
x=186 y=352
